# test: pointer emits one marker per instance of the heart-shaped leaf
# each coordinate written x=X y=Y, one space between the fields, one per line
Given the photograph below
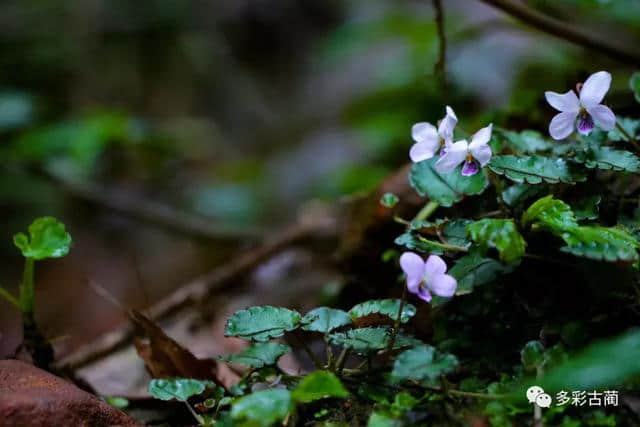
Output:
x=365 y=340
x=387 y=307
x=536 y=169
x=607 y=158
x=501 y=234
x=475 y=270
x=258 y=355
x=318 y=385
x=324 y=319
x=445 y=188
x=177 y=388
x=422 y=363
x=47 y=239
x=261 y=323
x=262 y=408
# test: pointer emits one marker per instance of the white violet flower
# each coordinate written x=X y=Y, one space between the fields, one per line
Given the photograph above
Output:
x=475 y=155
x=429 y=139
x=583 y=112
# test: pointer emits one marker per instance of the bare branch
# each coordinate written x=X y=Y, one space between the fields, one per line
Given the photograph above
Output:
x=587 y=39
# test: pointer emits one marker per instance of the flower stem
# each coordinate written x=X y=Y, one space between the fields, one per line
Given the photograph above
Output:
x=627 y=136
x=426 y=211
x=342 y=359
x=396 y=325
x=312 y=356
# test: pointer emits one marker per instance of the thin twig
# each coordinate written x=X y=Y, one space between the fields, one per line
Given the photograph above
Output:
x=192 y=293
x=153 y=212
x=580 y=37
x=441 y=63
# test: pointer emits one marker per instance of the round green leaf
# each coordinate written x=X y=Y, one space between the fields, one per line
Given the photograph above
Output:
x=448 y=188
x=177 y=388
x=47 y=239
x=262 y=408
x=262 y=323
x=324 y=319
x=387 y=307
x=389 y=200
x=258 y=355
x=422 y=363
x=318 y=385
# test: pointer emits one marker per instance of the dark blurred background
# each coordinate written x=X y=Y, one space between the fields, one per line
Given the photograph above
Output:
x=239 y=112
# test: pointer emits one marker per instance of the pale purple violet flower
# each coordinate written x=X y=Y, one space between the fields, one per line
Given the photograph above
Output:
x=583 y=112
x=475 y=155
x=424 y=278
x=429 y=139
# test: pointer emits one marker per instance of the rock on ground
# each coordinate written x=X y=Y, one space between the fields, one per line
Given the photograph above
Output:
x=32 y=397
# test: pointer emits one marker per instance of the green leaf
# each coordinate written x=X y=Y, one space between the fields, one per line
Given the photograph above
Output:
x=324 y=319
x=535 y=169
x=476 y=270
x=595 y=242
x=634 y=84
x=446 y=189
x=388 y=307
x=117 y=402
x=258 y=355
x=631 y=126
x=364 y=340
x=527 y=141
x=607 y=158
x=177 y=388
x=47 y=239
x=262 y=408
x=532 y=355
x=378 y=419
x=418 y=243
x=262 y=323
x=587 y=207
x=450 y=232
x=601 y=243
x=519 y=193
x=602 y=365
x=389 y=200
x=422 y=363
x=501 y=234
x=550 y=213
x=318 y=385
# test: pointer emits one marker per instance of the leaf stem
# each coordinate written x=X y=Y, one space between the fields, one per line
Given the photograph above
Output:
x=342 y=359
x=627 y=136
x=445 y=246
x=27 y=291
x=6 y=295
x=426 y=211
x=396 y=324
x=305 y=347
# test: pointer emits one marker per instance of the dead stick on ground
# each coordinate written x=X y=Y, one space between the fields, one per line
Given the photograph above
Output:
x=194 y=292
x=545 y=23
